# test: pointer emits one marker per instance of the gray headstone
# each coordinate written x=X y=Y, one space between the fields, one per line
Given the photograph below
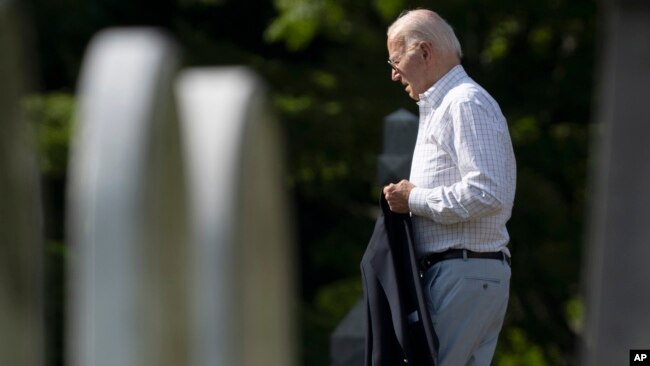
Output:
x=128 y=279
x=347 y=342
x=181 y=233
x=400 y=133
x=21 y=243
x=617 y=250
x=243 y=279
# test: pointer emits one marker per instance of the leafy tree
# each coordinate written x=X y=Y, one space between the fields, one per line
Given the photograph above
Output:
x=52 y=115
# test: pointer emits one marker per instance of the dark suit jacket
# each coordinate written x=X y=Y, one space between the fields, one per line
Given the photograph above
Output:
x=398 y=325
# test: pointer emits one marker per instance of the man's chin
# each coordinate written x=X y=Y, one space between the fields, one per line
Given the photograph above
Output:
x=412 y=95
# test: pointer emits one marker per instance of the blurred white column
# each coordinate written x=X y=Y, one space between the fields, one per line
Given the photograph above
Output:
x=21 y=240
x=128 y=279
x=243 y=289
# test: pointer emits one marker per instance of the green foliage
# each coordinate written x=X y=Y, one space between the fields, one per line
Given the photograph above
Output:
x=575 y=314
x=389 y=9
x=331 y=305
x=524 y=130
x=334 y=301
x=52 y=116
x=300 y=20
x=499 y=40
x=517 y=350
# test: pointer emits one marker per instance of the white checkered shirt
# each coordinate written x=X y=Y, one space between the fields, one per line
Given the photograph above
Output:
x=463 y=168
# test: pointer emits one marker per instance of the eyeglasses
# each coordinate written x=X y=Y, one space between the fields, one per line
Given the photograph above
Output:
x=394 y=64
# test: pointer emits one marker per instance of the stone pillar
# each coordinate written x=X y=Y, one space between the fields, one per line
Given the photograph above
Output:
x=128 y=277
x=400 y=133
x=244 y=305
x=347 y=342
x=618 y=245
x=21 y=234
x=181 y=237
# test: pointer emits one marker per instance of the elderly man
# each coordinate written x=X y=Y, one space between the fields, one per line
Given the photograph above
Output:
x=460 y=192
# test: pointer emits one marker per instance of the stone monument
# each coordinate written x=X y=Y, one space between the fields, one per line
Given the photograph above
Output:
x=347 y=342
x=181 y=237
x=21 y=231
x=617 y=248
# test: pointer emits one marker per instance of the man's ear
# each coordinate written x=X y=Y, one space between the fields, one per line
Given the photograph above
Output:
x=427 y=51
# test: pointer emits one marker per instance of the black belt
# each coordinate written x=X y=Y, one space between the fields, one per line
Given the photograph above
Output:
x=429 y=260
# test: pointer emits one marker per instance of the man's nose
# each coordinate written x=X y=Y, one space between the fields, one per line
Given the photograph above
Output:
x=394 y=75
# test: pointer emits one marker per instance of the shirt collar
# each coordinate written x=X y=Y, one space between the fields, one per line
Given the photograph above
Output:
x=433 y=96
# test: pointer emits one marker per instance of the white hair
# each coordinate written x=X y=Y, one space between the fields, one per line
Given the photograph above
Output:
x=419 y=25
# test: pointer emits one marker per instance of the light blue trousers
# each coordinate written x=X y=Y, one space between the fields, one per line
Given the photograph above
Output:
x=467 y=301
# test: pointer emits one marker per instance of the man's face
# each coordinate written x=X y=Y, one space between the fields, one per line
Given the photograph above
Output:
x=408 y=67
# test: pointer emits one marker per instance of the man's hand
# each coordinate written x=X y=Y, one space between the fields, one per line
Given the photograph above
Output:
x=397 y=196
